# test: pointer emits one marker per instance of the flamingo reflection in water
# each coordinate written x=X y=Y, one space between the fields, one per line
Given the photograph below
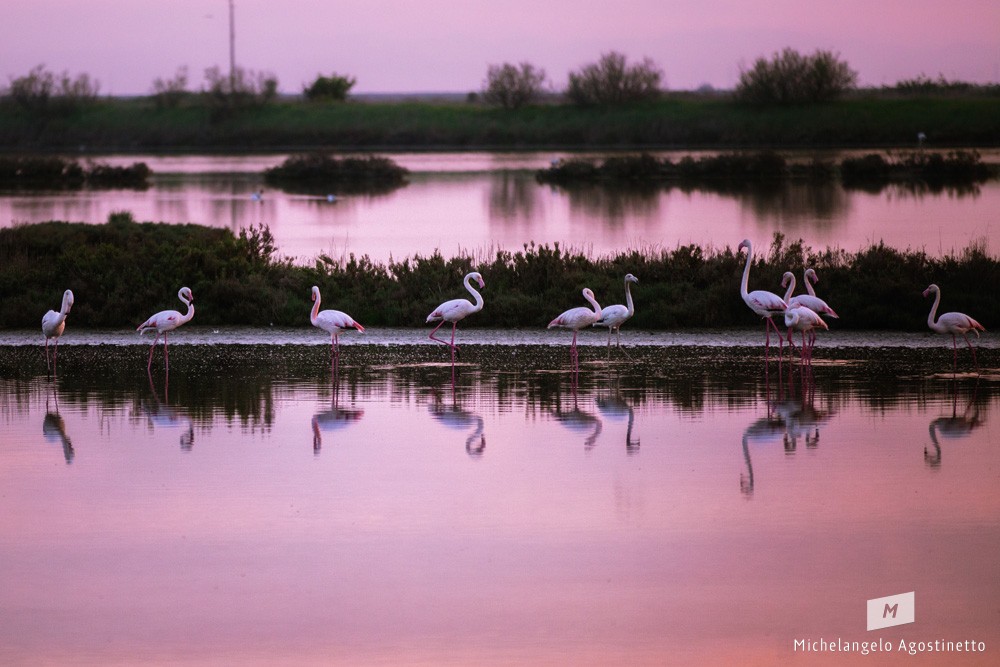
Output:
x=161 y=416
x=579 y=421
x=615 y=408
x=54 y=430
x=955 y=427
x=454 y=416
x=334 y=419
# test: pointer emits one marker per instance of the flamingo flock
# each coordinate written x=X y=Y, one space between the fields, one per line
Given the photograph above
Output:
x=802 y=313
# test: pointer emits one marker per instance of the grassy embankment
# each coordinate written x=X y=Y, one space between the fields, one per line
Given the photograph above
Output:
x=134 y=125
x=121 y=271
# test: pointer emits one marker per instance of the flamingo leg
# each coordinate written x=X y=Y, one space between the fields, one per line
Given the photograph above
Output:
x=609 y=337
x=149 y=364
x=166 y=356
x=431 y=336
x=954 y=358
x=55 y=354
x=618 y=335
x=47 y=363
x=454 y=326
x=964 y=335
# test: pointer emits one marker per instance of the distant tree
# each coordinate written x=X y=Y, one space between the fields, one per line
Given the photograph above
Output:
x=42 y=91
x=333 y=88
x=168 y=93
x=512 y=86
x=612 y=81
x=243 y=89
x=792 y=78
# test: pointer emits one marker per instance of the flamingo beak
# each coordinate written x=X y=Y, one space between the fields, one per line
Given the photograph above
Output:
x=926 y=292
x=482 y=283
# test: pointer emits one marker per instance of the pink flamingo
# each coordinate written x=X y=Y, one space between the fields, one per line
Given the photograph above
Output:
x=165 y=321
x=457 y=309
x=613 y=317
x=332 y=322
x=576 y=319
x=953 y=323
x=53 y=325
x=801 y=318
x=766 y=304
x=810 y=300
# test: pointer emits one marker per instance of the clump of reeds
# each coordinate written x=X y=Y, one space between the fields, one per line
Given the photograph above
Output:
x=326 y=172
x=58 y=172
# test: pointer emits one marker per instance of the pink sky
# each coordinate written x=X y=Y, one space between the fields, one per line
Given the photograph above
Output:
x=446 y=45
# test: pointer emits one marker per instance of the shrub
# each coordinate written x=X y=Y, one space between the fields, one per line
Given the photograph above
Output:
x=331 y=88
x=511 y=87
x=168 y=93
x=612 y=81
x=242 y=89
x=792 y=78
x=42 y=91
x=318 y=172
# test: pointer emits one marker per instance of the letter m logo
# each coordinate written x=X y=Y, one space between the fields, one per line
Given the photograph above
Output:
x=891 y=611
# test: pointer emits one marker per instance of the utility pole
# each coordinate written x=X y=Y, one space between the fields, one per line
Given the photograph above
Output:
x=232 y=48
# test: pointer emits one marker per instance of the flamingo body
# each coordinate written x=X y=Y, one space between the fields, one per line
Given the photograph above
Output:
x=802 y=319
x=53 y=324
x=613 y=317
x=166 y=321
x=332 y=322
x=810 y=300
x=953 y=324
x=764 y=303
x=456 y=310
x=576 y=319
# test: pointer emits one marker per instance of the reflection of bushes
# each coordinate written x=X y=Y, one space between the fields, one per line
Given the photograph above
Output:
x=49 y=172
x=873 y=170
x=321 y=172
x=122 y=271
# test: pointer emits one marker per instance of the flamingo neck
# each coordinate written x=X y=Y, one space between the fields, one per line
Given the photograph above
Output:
x=64 y=310
x=932 y=315
x=791 y=287
x=475 y=295
x=809 y=283
x=628 y=299
x=593 y=302
x=189 y=314
x=746 y=272
x=315 y=309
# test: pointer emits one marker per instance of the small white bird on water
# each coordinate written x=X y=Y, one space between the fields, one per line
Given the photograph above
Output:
x=53 y=325
x=166 y=321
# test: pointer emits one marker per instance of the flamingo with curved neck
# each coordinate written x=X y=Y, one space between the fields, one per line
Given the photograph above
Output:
x=576 y=319
x=332 y=322
x=810 y=300
x=166 y=321
x=953 y=323
x=53 y=325
x=613 y=317
x=457 y=309
x=764 y=303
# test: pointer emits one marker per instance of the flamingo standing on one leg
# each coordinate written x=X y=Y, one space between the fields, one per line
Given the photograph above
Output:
x=810 y=300
x=333 y=322
x=803 y=319
x=576 y=319
x=53 y=325
x=953 y=323
x=613 y=317
x=166 y=321
x=457 y=309
x=766 y=304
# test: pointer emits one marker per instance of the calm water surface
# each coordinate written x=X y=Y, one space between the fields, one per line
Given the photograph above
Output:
x=673 y=504
x=478 y=201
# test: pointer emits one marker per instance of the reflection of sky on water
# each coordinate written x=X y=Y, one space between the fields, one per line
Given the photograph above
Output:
x=480 y=201
x=510 y=499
